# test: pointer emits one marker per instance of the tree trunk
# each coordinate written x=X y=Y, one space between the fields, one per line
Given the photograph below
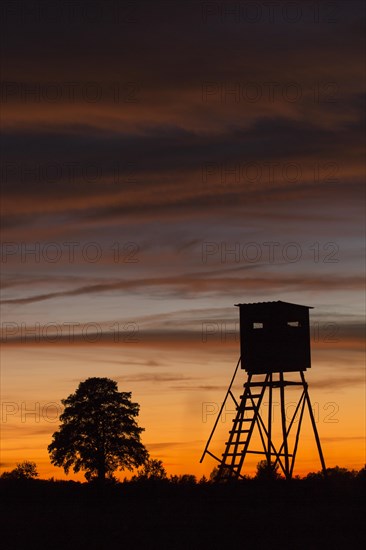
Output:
x=101 y=470
x=101 y=476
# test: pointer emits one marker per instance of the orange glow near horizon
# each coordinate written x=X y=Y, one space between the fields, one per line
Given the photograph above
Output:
x=179 y=395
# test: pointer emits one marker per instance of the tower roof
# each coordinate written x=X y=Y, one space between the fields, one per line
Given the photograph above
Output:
x=273 y=305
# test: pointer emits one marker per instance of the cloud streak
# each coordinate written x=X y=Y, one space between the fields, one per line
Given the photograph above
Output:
x=198 y=283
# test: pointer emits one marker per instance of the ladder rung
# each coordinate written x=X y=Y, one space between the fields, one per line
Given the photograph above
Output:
x=251 y=395
x=231 y=454
x=238 y=431
x=243 y=419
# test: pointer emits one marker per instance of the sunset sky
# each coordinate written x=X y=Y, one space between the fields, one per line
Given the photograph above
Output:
x=163 y=161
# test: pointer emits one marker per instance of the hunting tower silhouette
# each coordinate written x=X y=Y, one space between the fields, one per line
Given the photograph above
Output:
x=274 y=340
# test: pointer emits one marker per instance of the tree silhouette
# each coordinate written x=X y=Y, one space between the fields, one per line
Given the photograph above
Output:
x=152 y=469
x=23 y=470
x=214 y=473
x=225 y=474
x=98 y=431
x=184 y=479
x=267 y=471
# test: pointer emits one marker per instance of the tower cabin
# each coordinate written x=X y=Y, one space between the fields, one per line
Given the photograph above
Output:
x=274 y=337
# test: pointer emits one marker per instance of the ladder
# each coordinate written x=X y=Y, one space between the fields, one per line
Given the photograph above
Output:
x=246 y=418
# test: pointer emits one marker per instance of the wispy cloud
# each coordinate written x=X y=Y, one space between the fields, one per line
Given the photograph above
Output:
x=195 y=283
x=147 y=377
x=339 y=382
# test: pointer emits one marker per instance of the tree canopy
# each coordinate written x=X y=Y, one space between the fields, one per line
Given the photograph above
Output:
x=23 y=470
x=98 y=432
x=267 y=471
x=153 y=469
